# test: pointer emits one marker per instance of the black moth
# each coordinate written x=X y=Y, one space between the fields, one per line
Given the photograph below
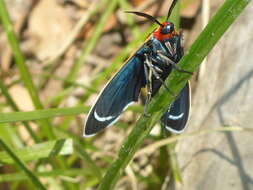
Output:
x=148 y=67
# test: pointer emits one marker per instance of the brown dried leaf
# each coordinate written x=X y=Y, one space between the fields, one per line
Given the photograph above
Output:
x=21 y=97
x=49 y=24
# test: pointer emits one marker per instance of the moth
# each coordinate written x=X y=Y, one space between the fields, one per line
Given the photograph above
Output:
x=148 y=67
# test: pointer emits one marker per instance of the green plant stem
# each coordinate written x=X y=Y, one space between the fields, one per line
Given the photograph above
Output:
x=162 y=162
x=174 y=166
x=20 y=61
x=176 y=81
x=173 y=162
x=22 y=166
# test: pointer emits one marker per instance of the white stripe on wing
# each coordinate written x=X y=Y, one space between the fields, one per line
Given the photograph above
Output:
x=176 y=117
x=102 y=119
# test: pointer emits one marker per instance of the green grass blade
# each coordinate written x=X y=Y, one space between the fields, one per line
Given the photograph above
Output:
x=4 y=91
x=201 y=47
x=50 y=113
x=22 y=166
x=14 y=177
x=173 y=162
x=176 y=172
x=20 y=61
x=37 y=151
x=41 y=114
x=10 y=136
x=84 y=155
x=213 y=32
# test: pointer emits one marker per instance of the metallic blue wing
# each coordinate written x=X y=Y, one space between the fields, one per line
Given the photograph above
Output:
x=176 y=117
x=122 y=90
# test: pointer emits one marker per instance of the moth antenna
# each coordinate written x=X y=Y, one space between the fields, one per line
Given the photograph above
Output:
x=174 y=2
x=153 y=19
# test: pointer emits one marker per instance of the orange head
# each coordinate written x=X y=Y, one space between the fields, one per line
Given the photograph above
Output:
x=165 y=31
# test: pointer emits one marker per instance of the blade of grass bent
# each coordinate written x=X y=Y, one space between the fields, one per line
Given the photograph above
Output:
x=37 y=151
x=190 y=62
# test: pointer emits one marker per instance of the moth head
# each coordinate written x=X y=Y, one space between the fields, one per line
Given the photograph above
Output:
x=167 y=28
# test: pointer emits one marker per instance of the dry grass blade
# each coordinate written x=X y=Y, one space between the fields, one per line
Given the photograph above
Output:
x=153 y=147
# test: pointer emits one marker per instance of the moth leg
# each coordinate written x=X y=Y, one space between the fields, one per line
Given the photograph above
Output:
x=172 y=63
x=154 y=70
x=148 y=76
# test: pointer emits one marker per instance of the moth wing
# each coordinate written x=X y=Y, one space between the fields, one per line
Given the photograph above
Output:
x=122 y=90
x=176 y=117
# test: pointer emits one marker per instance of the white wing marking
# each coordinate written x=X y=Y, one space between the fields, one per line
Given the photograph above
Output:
x=173 y=130
x=176 y=117
x=102 y=119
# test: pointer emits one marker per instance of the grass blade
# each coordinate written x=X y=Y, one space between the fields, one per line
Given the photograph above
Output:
x=37 y=151
x=94 y=168
x=41 y=114
x=50 y=113
x=14 y=177
x=176 y=172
